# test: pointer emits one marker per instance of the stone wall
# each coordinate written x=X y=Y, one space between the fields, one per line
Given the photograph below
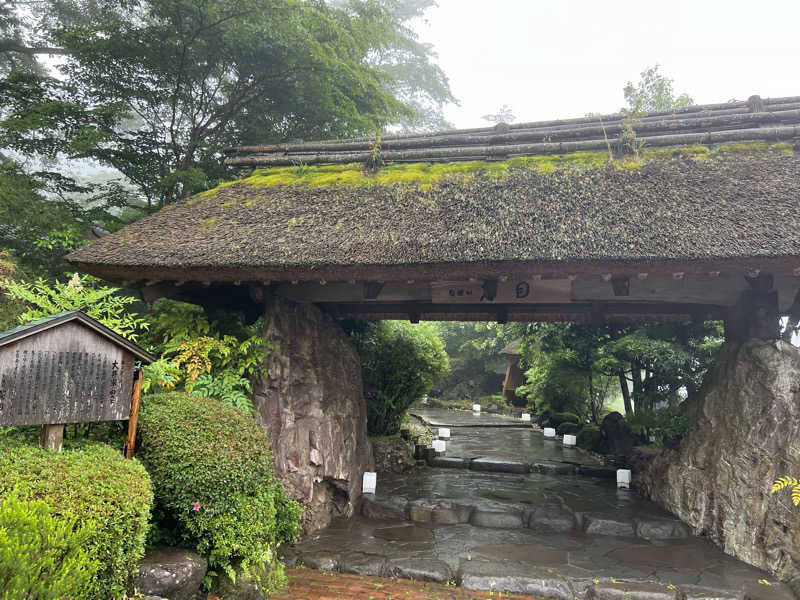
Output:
x=312 y=405
x=745 y=434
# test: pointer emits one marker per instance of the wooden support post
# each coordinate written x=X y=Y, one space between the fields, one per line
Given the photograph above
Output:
x=372 y=289
x=133 y=420
x=52 y=437
x=756 y=314
x=621 y=286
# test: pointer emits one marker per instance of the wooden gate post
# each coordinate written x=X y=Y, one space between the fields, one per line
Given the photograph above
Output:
x=51 y=437
x=133 y=420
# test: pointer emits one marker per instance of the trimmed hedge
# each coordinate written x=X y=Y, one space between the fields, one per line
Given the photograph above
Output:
x=589 y=437
x=213 y=478
x=90 y=482
x=567 y=428
x=557 y=419
x=42 y=556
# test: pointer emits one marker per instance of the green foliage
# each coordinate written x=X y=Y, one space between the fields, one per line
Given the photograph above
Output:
x=558 y=418
x=43 y=557
x=10 y=309
x=214 y=358
x=478 y=341
x=40 y=229
x=400 y=363
x=589 y=437
x=91 y=481
x=213 y=478
x=788 y=482
x=157 y=90
x=82 y=292
x=653 y=92
x=663 y=424
x=573 y=367
x=504 y=115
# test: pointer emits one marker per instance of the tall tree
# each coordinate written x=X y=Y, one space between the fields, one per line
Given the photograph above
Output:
x=185 y=78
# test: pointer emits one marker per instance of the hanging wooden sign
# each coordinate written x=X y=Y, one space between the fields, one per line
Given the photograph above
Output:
x=511 y=291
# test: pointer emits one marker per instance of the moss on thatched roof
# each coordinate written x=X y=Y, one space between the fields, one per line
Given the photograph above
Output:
x=738 y=201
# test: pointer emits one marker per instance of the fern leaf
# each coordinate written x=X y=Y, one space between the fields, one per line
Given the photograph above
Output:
x=784 y=482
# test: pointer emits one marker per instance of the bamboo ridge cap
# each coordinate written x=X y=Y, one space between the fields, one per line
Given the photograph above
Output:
x=753 y=110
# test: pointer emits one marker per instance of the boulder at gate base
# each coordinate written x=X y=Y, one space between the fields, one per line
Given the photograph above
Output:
x=312 y=404
x=745 y=433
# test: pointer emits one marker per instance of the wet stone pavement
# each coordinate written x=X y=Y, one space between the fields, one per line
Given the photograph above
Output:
x=548 y=533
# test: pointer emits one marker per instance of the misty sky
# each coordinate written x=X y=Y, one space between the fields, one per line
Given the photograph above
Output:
x=565 y=58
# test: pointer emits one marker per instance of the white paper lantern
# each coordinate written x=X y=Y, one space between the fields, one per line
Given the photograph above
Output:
x=549 y=432
x=570 y=440
x=370 y=481
x=476 y=408
x=439 y=446
x=526 y=417
x=623 y=478
x=444 y=433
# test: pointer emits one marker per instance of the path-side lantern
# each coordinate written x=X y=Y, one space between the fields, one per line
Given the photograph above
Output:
x=68 y=368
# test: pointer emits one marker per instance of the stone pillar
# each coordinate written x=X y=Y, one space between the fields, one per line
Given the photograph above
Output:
x=311 y=403
x=745 y=434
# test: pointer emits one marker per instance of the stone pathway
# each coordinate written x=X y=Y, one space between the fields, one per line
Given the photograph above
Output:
x=548 y=532
x=307 y=584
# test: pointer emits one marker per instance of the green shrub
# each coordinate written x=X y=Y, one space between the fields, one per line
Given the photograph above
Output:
x=668 y=423
x=211 y=357
x=94 y=481
x=400 y=363
x=558 y=418
x=567 y=428
x=42 y=556
x=213 y=478
x=486 y=401
x=589 y=437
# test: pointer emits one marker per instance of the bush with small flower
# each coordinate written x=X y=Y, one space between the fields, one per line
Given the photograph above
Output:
x=213 y=478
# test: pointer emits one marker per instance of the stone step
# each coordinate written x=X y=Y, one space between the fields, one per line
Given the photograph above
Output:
x=636 y=590
x=547 y=515
x=501 y=575
x=498 y=465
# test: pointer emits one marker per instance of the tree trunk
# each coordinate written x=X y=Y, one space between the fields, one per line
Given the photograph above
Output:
x=636 y=374
x=593 y=401
x=626 y=393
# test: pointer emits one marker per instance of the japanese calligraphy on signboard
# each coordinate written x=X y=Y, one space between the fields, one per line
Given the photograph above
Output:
x=502 y=292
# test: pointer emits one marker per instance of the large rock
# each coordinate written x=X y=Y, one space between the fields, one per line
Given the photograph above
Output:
x=173 y=573
x=616 y=438
x=312 y=404
x=745 y=434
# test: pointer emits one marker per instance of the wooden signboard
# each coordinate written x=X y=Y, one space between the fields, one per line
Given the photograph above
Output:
x=65 y=369
x=510 y=291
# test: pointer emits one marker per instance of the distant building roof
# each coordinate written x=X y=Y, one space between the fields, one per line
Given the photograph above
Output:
x=29 y=329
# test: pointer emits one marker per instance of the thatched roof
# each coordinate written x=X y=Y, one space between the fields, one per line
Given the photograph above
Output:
x=739 y=203
x=687 y=201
